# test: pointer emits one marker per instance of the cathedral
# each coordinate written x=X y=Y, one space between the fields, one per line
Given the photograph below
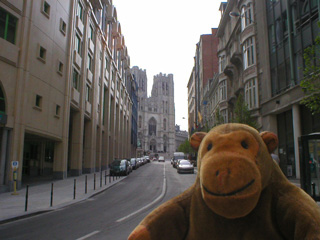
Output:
x=156 y=115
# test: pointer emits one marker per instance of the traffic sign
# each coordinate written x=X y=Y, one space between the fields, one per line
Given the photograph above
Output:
x=15 y=164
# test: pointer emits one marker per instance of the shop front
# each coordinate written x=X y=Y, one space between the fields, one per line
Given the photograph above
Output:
x=309 y=146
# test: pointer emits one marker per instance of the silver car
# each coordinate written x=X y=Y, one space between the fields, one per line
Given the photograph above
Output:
x=185 y=166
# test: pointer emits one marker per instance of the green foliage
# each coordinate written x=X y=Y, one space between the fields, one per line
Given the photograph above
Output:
x=185 y=147
x=242 y=113
x=218 y=118
x=310 y=83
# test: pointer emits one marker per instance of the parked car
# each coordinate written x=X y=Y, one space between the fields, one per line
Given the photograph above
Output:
x=119 y=167
x=147 y=158
x=185 y=166
x=140 y=161
x=134 y=163
x=177 y=156
x=161 y=159
x=129 y=165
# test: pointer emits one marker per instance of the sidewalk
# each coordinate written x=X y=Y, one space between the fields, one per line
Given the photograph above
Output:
x=12 y=207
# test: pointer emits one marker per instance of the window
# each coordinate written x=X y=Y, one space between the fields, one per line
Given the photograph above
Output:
x=222 y=62
x=46 y=9
x=223 y=90
x=140 y=121
x=78 y=44
x=246 y=16
x=152 y=127
x=251 y=93
x=89 y=62
x=164 y=124
x=42 y=53
x=88 y=90
x=63 y=27
x=107 y=64
x=38 y=102
x=80 y=11
x=91 y=32
x=2 y=102
x=8 y=26
x=224 y=114
x=57 y=114
x=75 y=79
x=248 y=53
x=60 y=67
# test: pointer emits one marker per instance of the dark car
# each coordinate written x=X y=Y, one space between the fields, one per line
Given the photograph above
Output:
x=185 y=166
x=119 y=167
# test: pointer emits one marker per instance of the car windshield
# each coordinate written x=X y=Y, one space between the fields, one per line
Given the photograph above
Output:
x=184 y=162
x=178 y=157
x=133 y=160
x=115 y=163
x=123 y=162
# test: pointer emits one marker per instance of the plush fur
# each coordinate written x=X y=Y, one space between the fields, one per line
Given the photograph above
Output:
x=239 y=193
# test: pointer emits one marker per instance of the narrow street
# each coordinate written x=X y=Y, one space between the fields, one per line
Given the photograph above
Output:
x=113 y=214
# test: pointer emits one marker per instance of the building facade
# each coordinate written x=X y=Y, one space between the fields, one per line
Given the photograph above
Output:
x=181 y=137
x=205 y=67
x=260 y=53
x=65 y=89
x=156 y=114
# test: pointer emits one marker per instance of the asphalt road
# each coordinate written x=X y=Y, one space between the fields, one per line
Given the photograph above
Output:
x=113 y=214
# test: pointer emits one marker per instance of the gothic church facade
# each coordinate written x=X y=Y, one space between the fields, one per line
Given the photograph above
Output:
x=156 y=114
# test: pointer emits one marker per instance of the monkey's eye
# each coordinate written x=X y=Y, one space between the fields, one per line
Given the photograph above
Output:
x=209 y=146
x=244 y=144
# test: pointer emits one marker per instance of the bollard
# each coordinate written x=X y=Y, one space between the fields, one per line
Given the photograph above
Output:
x=94 y=182
x=100 y=178
x=15 y=182
x=109 y=178
x=313 y=191
x=51 y=199
x=86 y=184
x=74 y=188
x=112 y=177
x=27 y=195
x=105 y=177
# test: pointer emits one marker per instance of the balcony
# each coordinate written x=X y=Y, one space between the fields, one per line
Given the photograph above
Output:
x=79 y=25
x=106 y=74
x=89 y=76
x=77 y=59
x=91 y=45
x=9 y=51
x=75 y=96
x=88 y=108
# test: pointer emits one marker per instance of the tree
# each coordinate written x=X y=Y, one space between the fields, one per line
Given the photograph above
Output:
x=311 y=77
x=185 y=147
x=218 y=118
x=242 y=113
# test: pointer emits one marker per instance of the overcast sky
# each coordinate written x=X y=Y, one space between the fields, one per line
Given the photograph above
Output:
x=161 y=36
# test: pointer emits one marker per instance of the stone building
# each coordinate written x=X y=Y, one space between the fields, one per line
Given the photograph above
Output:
x=65 y=86
x=260 y=53
x=156 y=114
x=205 y=67
x=181 y=137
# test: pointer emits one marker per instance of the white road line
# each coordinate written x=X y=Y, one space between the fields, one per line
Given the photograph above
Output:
x=88 y=235
x=153 y=202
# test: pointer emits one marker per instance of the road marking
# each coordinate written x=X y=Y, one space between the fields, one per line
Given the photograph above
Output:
x=88 y=235
x=153 y=202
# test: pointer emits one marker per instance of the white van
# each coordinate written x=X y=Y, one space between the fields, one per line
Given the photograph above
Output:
x=161 y=159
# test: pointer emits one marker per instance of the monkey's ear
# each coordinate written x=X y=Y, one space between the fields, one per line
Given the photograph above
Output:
x=271 y=140
x=196 y=139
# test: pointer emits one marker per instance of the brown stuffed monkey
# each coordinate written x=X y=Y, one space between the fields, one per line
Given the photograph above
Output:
x=239 y=193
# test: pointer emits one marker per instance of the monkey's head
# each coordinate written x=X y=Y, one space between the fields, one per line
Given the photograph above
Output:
x=234 y=166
